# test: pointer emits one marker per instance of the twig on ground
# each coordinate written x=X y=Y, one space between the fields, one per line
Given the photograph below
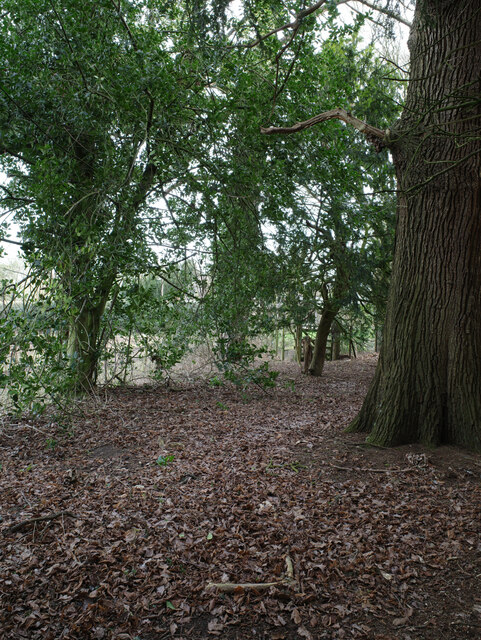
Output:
x=289 y=568
x=26 y=523
x=32 y=428
x=231 y=587
x=358 y=469
x=365 y=445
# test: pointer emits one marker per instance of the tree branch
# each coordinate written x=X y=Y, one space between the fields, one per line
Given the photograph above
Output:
x=386 y=12
x=289 y=25
x=145 y=184
x=125 y=25
x=295 y=24
x=20 y=244
x=377 y=136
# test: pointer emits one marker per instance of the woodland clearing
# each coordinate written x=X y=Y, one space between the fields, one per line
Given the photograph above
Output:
x=114 y=524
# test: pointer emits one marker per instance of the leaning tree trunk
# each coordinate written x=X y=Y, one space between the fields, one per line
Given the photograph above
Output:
x=320 y=345
x=427 y=387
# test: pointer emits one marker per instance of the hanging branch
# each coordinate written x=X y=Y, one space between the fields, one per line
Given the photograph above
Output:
x=384 y=10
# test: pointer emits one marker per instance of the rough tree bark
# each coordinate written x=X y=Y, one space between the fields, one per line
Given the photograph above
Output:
x=306 y=353
x=427 y=387
x=298 y=343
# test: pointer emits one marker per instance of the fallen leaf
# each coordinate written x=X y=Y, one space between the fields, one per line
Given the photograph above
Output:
x=296 y=616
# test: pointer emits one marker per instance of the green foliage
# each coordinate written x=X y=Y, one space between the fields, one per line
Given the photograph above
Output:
x=239 y=364
x=164 y=461
x=35 y=367
x=290 y=384
x=154 y=320
x=335 y=237
x=131 y=127
x=95 y=114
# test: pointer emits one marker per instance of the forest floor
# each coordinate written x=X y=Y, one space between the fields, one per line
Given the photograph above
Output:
x=113 y=525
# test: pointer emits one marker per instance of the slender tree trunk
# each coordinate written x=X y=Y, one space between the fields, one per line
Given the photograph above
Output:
x=427 y=387
x=298 y=340
x=127 y=356
x=336 y=341
x=320 y=344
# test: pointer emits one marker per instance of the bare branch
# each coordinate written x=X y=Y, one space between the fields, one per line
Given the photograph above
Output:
x=386 y=12
x=360 y=13
x=372 y=133
x=20 y=244
x=295 y=24
x=289 y=25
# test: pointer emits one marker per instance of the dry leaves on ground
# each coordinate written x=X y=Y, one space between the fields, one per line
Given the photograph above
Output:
x=113 y=527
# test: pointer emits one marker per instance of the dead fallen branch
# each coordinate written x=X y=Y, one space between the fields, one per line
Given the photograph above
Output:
x=359 y=469
x=232 y=587
x=31 y=521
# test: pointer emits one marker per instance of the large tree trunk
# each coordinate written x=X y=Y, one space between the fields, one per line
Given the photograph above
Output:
x=427 y=387
x=83 y=345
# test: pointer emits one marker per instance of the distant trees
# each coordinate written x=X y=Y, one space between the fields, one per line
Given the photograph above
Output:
x=337 y=230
